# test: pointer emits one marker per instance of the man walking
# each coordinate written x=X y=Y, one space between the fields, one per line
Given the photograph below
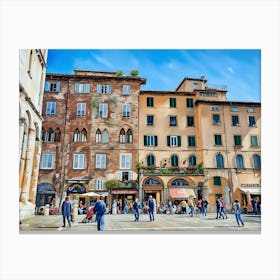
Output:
x=237 y=213
x=136 y=206
x=151 y=205
x=100 y=209
x=66 y=211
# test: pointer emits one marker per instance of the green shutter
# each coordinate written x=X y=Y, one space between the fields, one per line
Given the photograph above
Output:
x=179 y=141
x=217 y=181
x=168 y=140
x=254 y=141
x=145 y=140
x=155 y=140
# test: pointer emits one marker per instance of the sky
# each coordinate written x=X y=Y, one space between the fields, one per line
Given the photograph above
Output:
x=238 y=69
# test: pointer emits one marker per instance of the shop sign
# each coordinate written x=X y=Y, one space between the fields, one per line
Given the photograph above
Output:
x=250 y=185
x=124 y=192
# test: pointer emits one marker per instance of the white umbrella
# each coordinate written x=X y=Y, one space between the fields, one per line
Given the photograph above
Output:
x=89 y=194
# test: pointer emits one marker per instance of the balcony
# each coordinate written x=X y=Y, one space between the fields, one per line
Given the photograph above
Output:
x=168 y=171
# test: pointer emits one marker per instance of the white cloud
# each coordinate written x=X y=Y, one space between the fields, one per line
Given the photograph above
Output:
x=103 y=61
x=230 y=70
x=83 y=64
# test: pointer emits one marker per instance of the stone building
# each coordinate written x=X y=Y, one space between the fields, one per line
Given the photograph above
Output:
x=90 y=136
x=32 y=70
x=193 y=142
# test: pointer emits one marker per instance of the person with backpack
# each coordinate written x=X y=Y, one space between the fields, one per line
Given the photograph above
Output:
x=151 y=210
x=136 y=207
x=237 y=213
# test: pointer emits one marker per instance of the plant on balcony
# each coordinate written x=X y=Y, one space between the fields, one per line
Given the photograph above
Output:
x=139 y=166
x=200 y=167
x=114 y=183
x=120 y=73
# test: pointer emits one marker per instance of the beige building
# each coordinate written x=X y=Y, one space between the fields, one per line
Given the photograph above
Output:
x=193 y=142
x=32 y=70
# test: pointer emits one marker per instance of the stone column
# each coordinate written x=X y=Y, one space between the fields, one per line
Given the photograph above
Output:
x=140 y=192
x=35 y=172
x=24 y=195
x=21 y=136
x=22 y=161
x=165 y=194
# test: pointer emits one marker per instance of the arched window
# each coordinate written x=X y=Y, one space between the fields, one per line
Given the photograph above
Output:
x=150 y=160
x=179 y=182
x=83 y=135
x=129 y=136
x=174 y=160
x=98 y=136
x=257 y=161
x=105 y=136
x=152 y=181
x=239 y=161
x=43 y=135
x=192 y=160
x=122 y=136
x=57 y=134
x=99 y=184
x=219 y=161
x=76 y=136
x=49 y=135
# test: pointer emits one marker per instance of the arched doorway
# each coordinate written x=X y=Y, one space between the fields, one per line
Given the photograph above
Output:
x=74 y=190
x=45 y=194
x=153 y=186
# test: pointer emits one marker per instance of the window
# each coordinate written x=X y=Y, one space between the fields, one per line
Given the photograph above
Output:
x=150 y=140
x=189 y=102
x=217 y=181
x=218 y=139
x=51 y=108
x=172 y=102
x=99 y=184
x=195 y=85
x=124 y=176
x=179 y=182
x=76 y=135
x=239 y=161
x=98 y=136
x=125 y=161
x=81 y=109
x=53 y=87
x=191 y=141
x=78 y=161
x=192 y=161
x=122 y=136
x=174 y=141
x=57 y=134
x=129 y=136
x=47 y=161
x=250 y=110
x=237 y=140
x=150 y=160
x=82 y=88
x=103 y=110
x=100 y=161
x=214 y=108
x=252 y=121
x=219 y=161
x=216 y=119
x=83 y=135
x=150 y=120
x=257 y=161
x=103 y=89
x=254 y=141
x=234 y=109
x=126 y=90
x=150 y=102
x=105 y=136
x=190 y=121
x=49 y=136
x=126 y=110
x=174 y=160
x=235 y=121
x=80 y=136
x=173 y=121
x=208 y=94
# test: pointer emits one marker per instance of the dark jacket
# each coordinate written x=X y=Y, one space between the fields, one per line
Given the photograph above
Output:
x=99 y=208
x=66 y=208
x=151 y=204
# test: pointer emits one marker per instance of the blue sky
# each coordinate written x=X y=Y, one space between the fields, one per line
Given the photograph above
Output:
x=239 y=70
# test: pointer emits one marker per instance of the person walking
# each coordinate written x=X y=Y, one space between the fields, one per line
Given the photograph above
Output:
x=100 y=209
x=219 y=208
x=66 y=211
x=191 y=206
x=237 y=213
x=136 y=207
x=223 y=208
x=125 y=206
x=151 y=210
x=204 y=206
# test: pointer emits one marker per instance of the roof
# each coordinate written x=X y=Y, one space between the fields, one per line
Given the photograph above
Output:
x=192 y=79
x=231 y=103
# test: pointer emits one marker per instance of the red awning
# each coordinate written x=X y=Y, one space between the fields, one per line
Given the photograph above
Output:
x=181 y=193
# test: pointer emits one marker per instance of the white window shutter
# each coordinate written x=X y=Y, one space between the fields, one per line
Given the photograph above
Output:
x=120 y=175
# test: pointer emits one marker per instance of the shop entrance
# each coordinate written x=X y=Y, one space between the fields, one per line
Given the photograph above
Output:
x=45 y=195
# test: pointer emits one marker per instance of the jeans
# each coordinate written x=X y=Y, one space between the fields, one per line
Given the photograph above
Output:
x=136 y=214
x=68 y=220
x=191 y=209
x=125 y=209
x=239 y=219
x=100 y=222
x=151 y=214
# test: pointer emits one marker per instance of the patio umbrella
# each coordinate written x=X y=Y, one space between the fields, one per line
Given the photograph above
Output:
x=89 y=194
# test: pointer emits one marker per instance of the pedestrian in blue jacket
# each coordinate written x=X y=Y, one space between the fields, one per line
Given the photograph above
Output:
x=66 y=211
x=100 y=210
x=151 y=210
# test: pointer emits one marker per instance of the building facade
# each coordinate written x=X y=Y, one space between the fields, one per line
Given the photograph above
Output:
x=102 y=133
x=32 y=71
x=90 y=136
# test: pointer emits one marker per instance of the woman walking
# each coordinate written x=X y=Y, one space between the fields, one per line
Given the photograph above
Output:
x=237 y=213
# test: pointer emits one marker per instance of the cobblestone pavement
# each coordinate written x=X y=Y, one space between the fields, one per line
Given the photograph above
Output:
x=124 y=223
